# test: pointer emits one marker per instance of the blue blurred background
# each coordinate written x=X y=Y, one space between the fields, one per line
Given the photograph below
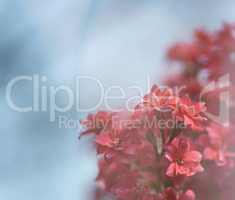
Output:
x=119 y=42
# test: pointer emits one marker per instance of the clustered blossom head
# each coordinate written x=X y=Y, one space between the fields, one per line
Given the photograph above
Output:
x=167 y=149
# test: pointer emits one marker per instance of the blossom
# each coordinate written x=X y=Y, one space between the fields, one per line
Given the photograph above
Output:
x=188 y=84
x=171 y=194
x=183 y=160
x=208 y=50
x=182 y=108
x=152 y=152
x=159 y=99
x=191 y=113
x=96 y=123
x=187 y=52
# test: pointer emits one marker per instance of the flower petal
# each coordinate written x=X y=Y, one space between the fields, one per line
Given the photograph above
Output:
x=171 y=171
x=193 y=156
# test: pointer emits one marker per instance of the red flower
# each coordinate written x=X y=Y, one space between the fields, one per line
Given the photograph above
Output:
x=159 y=99
x=193 y=88
x=207 y=50
x=96 y=123
x=184 y=160
x=188 y=195
x=107 y=140
x=171 y=194
x=142 y=153
x=187 y=52
x=191 y=113
x=182 y=108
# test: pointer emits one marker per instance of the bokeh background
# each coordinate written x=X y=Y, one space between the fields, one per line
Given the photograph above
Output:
x=119 y=42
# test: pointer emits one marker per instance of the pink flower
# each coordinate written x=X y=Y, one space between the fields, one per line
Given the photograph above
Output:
x=187 y=52
x=191 y=113
x=171 y=194
x=96 y=123
x=184 y=160
x=182 y=108
x=159 y=99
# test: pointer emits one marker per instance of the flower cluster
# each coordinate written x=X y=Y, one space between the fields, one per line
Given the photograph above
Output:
x=168 y=148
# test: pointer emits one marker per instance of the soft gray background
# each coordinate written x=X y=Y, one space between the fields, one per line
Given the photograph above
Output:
x=117 y=41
